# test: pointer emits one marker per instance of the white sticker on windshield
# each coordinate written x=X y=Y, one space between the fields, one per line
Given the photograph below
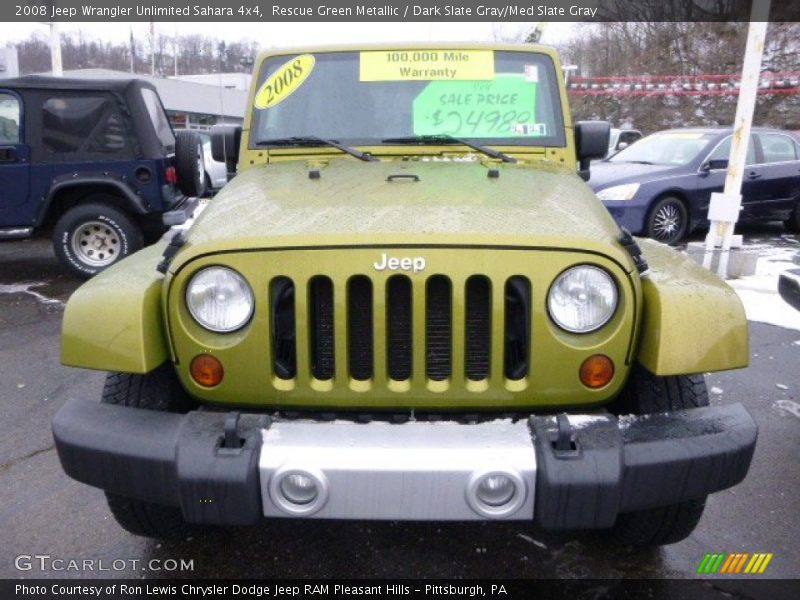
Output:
x=529 y=129
x=532 y=73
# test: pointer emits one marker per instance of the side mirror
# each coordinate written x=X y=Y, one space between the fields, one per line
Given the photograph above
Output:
x=714 y=164
x=591 y=141
x=789 y=287
x=225 y=140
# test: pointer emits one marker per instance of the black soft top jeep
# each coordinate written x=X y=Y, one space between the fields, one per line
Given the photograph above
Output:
x=94 y=161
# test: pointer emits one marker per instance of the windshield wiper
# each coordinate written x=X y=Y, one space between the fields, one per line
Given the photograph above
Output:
x=449 y=139
x=311 y=140
x=635 y=162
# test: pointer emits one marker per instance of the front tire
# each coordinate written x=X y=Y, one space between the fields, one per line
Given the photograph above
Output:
x=668 y=221
x=158 y=390
x=91 y=237
x=647 y=393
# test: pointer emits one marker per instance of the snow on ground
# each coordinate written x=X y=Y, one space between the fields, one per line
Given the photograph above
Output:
x=26 y=287
x=759 y=292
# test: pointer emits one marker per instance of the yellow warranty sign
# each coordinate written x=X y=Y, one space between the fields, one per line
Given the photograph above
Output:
x=426 y=65
x=284 y=81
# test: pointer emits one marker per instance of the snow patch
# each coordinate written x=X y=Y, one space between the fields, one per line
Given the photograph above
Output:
x=26 y=287
x=789 y=406
x=530 y=540
x=759 y=292
x=716 y=390
x=626 y=421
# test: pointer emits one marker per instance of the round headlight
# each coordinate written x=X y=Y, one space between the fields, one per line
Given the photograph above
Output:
x=582 y=299
x=219 y=299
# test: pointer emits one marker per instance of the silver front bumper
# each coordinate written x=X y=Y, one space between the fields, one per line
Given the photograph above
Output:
x=414 y=471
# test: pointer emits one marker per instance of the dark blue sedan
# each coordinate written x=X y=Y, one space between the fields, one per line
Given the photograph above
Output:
x=661 y=186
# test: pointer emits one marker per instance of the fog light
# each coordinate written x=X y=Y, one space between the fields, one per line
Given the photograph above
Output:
x=299 y=489
x=596 y=371
x=496 y=493
x=495 y=490
x=206 y=370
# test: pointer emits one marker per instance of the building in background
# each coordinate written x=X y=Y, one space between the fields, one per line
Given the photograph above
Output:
x=190 y=104
x=9 y=64
x=230 y=81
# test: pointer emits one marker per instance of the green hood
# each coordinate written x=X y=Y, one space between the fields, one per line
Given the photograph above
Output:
x=454 y=202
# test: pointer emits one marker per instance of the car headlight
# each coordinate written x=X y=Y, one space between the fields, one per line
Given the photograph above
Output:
x=219 y=299
x=619 y=192
x=582 y=299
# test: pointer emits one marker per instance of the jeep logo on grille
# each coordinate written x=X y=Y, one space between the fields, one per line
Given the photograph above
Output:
x=402 y=263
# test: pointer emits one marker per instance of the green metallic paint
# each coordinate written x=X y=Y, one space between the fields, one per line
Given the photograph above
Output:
x=113 y=321
x=693 y=322
x=454 y=203
x=536 y=219
x=555 y=361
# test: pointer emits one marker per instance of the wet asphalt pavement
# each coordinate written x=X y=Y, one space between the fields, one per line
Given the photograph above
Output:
x=44 y=512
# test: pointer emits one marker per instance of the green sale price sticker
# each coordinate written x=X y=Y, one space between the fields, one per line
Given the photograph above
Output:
x=503 y=107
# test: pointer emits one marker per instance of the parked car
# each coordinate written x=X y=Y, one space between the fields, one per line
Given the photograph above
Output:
x=789 y=287
x=95 y=163
x=661 y=186
x=384 y=316
x=216 y=172
x=621 y=139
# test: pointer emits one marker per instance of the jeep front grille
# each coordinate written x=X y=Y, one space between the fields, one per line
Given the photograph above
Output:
x=398 y=327
x=343 y=328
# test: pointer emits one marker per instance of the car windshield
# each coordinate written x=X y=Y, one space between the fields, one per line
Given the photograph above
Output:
x=668 y=148
x=362 y=98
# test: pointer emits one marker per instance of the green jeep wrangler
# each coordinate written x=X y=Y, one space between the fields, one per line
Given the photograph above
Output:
x=407 y=305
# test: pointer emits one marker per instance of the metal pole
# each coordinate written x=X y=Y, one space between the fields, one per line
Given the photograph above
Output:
x=175 y=49
x=55 y=50
x=133 y=48
x=152 y=48
x=723 y=211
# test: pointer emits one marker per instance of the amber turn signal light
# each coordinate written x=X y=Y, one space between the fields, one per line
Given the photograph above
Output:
x=206 y=370
x=596 y=371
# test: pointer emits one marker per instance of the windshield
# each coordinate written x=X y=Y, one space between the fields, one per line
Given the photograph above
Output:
x=362 y=98
x=669 y=148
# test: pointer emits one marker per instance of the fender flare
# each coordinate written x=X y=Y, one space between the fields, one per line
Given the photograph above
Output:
x=692 y=321
x=113 y=322
x=132 y=201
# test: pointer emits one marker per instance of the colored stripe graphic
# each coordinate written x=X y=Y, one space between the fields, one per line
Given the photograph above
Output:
x=718 y=563
x=732 y=560
x=704 y=563
x=729 y=564
x=741 y=562
x=764 y=564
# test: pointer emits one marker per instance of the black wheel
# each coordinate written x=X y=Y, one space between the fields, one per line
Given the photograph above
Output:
x=792 y=224
x=668 y=221
x=647 y=393
x=157 y=390
x=189 y=163
x=91 y=237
